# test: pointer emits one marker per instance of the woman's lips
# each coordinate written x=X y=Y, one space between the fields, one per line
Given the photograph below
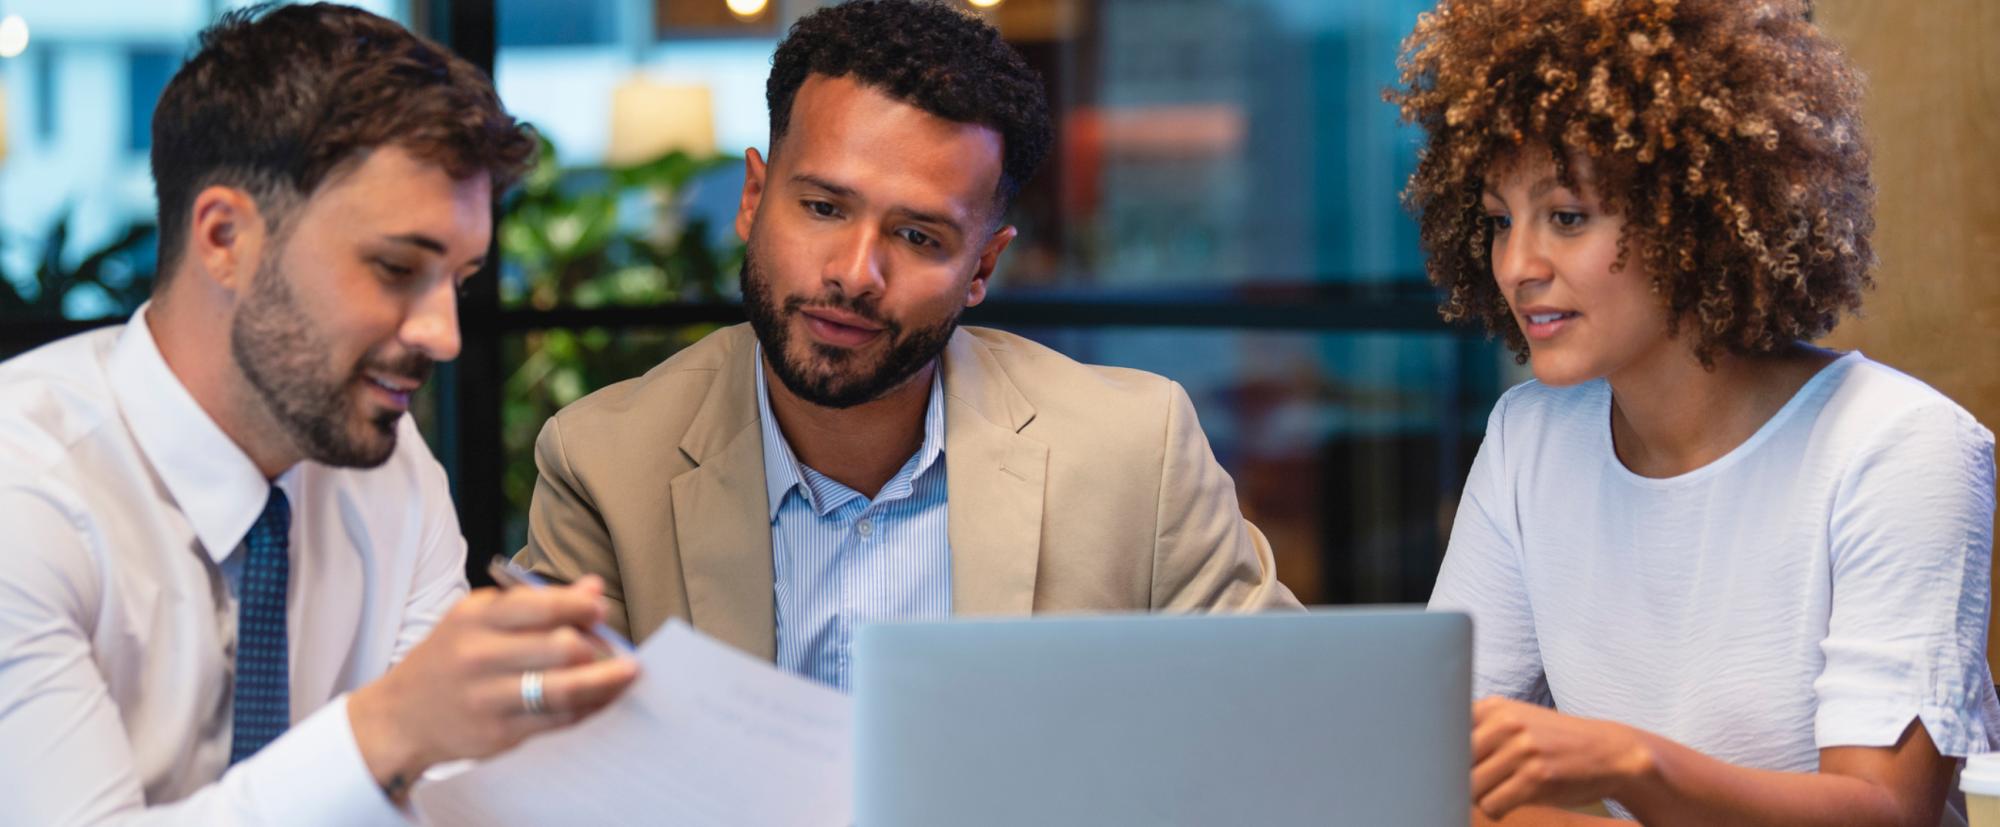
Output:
x=1545 y=325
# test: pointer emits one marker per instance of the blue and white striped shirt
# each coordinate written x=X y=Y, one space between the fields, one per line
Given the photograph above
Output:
x=841 y=559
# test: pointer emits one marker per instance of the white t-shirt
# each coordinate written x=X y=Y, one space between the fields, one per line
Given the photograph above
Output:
x=1821 y=585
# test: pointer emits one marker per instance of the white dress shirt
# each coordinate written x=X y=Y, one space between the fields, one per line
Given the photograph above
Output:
x=1822 y=585
x=123 y=509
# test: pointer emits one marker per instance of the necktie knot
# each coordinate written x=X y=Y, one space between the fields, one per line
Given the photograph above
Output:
x=274 y=525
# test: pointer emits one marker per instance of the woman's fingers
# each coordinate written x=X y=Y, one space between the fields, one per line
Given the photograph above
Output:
x=1517 y=790
x=1494 y=771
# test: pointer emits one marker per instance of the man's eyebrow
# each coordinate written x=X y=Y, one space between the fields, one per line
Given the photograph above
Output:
x=419 y=240
x=939 y=219
x=433 y=245
x=815 y=181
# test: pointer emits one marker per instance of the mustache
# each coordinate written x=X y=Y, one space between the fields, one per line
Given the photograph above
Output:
x=863 y=306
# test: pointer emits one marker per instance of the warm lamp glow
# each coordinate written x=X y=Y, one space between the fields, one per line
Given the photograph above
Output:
x=984 y=4
x=747 y=9
x=650 y=119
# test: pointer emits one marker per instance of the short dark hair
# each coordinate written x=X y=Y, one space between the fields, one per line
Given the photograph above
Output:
x=275 y=99
x=934 y=57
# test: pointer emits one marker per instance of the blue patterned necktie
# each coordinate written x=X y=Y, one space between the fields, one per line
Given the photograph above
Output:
x=263 y=681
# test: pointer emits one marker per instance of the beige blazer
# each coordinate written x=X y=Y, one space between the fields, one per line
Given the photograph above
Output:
x=1072 y=488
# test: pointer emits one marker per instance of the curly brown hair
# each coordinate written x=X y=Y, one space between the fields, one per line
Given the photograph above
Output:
x=1726 y=132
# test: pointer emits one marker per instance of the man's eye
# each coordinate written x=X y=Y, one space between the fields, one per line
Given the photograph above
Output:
x=822 y=209
x=917 y=237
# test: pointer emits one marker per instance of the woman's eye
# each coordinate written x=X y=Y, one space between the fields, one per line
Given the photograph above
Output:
x=395 y=271
x=1566 y=219
x=1495 y=223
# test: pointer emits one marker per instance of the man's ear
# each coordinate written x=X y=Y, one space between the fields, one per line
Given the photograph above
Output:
x=988 y=257
x=226 y=238
x=754 y=170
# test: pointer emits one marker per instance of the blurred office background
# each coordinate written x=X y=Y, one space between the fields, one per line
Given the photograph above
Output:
x=1221 y=208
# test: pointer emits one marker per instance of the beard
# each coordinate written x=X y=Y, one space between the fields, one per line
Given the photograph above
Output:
x=282 y=353
x=829 y=376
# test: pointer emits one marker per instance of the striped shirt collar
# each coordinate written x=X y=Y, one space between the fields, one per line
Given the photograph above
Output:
x=783 y=471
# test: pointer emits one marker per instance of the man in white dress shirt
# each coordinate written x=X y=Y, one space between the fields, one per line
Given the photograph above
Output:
x=231 y=582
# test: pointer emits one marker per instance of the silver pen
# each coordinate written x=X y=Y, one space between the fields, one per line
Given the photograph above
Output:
x=512 y=576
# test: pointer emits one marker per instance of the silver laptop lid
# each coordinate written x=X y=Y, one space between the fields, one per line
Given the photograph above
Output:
x=1331 y=717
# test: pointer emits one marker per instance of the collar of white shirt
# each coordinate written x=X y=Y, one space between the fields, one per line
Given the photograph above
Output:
x=208 y=475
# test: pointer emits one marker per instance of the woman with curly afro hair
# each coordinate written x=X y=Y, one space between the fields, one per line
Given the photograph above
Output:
x=1717 y=575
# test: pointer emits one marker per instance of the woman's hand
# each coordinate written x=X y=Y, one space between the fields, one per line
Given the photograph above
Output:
x=1524 y=754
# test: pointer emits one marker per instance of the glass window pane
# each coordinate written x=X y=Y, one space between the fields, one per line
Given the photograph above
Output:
x=1238 y=144
x=613 y=220
x=147 y=71
x=74 y=175
x=1215 y=142
x=557 y=22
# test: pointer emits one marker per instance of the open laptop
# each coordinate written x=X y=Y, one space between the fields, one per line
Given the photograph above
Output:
x=1334 y=717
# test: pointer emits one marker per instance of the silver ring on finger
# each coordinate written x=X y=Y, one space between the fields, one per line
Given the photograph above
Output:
x=531 y=692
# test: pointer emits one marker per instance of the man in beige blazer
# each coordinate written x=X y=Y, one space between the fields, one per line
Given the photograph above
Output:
x=875 y=223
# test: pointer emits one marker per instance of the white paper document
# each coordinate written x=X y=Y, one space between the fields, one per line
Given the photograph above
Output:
x=706 y=736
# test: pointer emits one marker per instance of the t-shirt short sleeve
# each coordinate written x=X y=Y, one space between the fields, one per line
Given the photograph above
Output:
x=1482 y=576
x=1911 y=558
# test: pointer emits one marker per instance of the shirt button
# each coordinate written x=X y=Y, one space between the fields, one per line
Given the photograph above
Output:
x=865 y=528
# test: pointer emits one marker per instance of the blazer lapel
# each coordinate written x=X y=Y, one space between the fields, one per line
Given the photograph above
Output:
x=995 y=477
x=721 y=522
